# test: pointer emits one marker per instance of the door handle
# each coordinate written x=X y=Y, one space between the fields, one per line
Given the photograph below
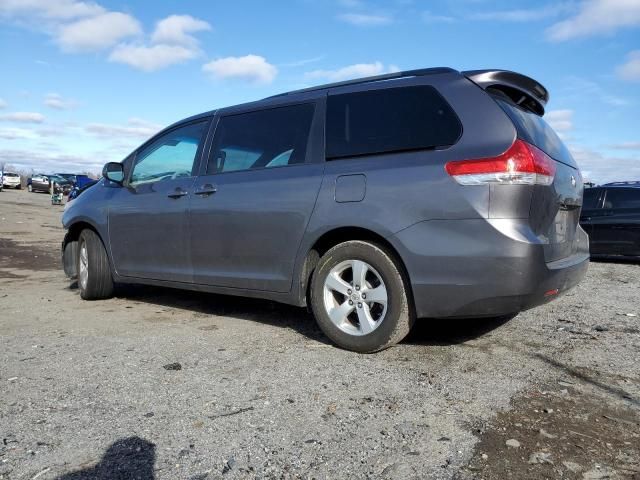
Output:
x=206 y=190
x=177 y=193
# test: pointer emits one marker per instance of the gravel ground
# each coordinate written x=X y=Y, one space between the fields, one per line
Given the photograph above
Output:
x=163 y=384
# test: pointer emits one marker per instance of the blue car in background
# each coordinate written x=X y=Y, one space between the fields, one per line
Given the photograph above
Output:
x=77 y=180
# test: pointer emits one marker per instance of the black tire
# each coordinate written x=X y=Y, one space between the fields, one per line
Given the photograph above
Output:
x=398 y=318
x=99 y=282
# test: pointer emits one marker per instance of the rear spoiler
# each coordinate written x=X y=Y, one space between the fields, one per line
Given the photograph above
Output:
x=522 y=90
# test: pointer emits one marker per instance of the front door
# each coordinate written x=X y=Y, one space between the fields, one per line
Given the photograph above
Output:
x=251 y=207
x=148 y=216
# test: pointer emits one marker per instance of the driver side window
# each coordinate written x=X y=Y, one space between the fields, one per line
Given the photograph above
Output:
x=170 y=156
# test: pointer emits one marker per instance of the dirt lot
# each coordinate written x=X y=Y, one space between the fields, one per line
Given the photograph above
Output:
x=87 y=389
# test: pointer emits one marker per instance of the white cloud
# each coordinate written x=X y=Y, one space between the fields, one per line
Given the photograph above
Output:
x=631 y=69
x=97 y=33
x=50 y=161
x=58 y=102
x=522 y=15
x=151 y=58
x=597 y=17
x=430 y=17
x=85 y=26
x=171 y=43
x=23 y=117
x=353 y=71
x=175 y=29
x=626 y=146
x=600 y=168
x=578 y=88
x=365 y=19
x=135 y=128
x=303 y=62
x=49 y=9
x=251 y=68
x=560 y=120
x=3 y=104
x=16 y=133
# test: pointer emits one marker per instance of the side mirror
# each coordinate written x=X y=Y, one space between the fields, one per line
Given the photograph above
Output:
x=114 y=172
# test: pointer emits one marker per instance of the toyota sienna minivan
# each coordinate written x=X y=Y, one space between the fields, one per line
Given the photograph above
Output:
x=422 y=194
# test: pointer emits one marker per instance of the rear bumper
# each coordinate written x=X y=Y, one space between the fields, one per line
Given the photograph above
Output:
x=477 y=268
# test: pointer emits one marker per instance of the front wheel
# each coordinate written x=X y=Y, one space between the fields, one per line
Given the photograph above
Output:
x=94 y=272
x=360 y=298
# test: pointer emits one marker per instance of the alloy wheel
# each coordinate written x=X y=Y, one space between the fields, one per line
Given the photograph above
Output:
x=355 y=297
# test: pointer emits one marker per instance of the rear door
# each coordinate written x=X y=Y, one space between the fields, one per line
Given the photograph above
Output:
x=148 y=216
x=555 y=209
x=617 y=230
x=254 y=198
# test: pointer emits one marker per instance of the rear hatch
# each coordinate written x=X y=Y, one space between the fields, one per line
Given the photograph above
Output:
x=555 y=209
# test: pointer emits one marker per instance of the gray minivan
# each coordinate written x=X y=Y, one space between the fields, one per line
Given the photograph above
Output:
x=422 y=194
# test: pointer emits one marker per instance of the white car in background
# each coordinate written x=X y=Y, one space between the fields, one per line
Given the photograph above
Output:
x=11 y=180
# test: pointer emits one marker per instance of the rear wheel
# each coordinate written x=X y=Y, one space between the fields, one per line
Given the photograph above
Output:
x=359 y=297
x=94 y=272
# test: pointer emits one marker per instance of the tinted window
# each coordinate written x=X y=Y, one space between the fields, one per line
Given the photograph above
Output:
x=262 y=139
x=622 y=198
x=170 y=156
x=395 y=119
x=534 y=130
x=591 y=197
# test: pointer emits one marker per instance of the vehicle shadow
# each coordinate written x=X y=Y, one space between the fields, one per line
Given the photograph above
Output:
x=127 y=458
x=452 y=331
x=616 y=259
x=241 y=308
x=425 y=331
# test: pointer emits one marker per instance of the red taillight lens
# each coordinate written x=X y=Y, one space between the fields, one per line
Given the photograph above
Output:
x=522 y=164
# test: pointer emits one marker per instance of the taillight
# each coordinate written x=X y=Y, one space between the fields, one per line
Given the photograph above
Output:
x=522 y=164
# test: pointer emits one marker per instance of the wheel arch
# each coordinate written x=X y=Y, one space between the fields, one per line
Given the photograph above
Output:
x=70 y=245
x=335 y=236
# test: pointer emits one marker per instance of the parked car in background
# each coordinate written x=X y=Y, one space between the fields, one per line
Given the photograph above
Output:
x=1 y=179
x=611 y=217
x=77 y=190
x=11 y=180
x=42 y=183
x=79 y=180
x=430 y=193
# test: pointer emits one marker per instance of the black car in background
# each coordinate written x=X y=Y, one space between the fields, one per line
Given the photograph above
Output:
x=611 y=217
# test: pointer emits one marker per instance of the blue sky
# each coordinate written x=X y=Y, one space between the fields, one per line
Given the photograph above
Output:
x=85 y=82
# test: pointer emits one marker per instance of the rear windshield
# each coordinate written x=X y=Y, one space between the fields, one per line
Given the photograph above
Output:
x=534 y=130
x=389 y=120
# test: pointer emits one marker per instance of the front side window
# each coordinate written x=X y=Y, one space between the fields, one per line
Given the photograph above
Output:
x=591 y=197
x=170 y=156
x=389 y=120
x=263 y=139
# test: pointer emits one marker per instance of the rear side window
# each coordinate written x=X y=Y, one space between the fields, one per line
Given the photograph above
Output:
x=591 y=198
x=267 y=138
x=622 y=198
x=534 y=130
x=389 y=120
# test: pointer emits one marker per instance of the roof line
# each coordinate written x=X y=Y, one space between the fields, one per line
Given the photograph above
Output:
x=376 y=78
